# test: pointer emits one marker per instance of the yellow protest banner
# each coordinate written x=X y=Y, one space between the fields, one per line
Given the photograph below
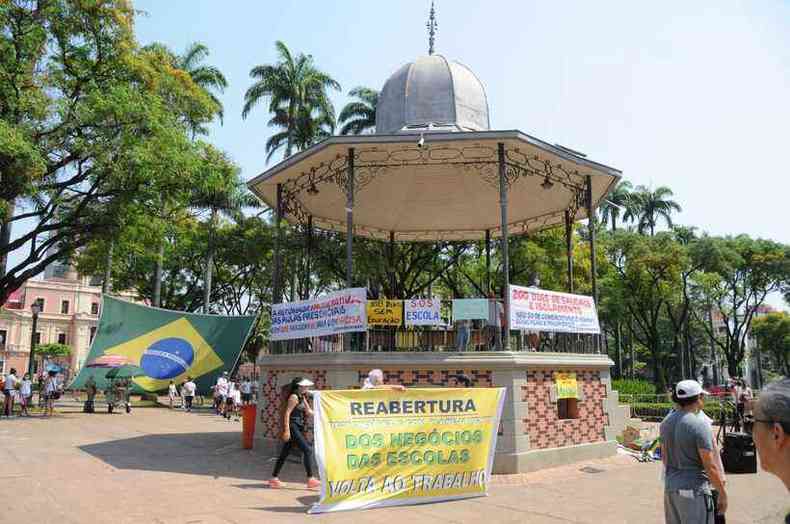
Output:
x=379 y=447
x=385 y=312
x=566 y=385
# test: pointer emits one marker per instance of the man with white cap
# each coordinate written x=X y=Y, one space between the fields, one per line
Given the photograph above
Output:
x=688 y=453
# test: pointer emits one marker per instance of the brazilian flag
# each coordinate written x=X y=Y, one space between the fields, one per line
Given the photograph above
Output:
x=167 y=345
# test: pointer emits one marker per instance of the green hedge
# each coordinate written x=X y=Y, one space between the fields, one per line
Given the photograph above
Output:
x=633 y=387
x=659 y=410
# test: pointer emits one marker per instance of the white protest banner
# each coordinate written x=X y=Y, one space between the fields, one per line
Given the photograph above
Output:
x=423 y=312
x=470 y=309
x=542 y=310
x=339 y=312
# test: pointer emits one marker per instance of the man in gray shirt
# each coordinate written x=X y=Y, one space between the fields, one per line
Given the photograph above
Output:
x=688 y=454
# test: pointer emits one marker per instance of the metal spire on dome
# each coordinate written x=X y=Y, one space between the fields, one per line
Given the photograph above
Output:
x=432 y=27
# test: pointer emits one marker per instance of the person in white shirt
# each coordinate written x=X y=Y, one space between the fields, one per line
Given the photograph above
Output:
x=230 y=399
x=25 y=394
x=236 y=402
x=51 y=393
x=246 y=391
x=172 y=393
x=9 y=386
x=221 y=393
x=189 y=393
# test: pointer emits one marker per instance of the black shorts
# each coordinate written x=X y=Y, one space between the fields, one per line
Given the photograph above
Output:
x=246 y=397
x=229 y=401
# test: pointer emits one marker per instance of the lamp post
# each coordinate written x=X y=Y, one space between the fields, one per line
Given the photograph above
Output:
x=35 y=309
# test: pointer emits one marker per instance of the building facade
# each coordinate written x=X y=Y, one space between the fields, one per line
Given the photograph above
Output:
x=70 y=307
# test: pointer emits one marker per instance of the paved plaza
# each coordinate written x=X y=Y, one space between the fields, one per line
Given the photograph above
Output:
x=162 y=466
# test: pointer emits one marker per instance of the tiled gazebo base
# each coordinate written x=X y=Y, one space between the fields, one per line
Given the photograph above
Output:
x=532 y=436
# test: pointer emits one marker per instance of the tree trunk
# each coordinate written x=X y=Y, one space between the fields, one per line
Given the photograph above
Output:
x=209 y=264
x=106 y=286
x=619 y=347
x=160 y=258
x=5 y=237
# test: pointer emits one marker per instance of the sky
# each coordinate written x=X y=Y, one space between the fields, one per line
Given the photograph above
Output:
x=690 y=95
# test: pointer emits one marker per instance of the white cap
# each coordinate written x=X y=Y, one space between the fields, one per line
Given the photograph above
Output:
x=305 y=382
x=689 y=389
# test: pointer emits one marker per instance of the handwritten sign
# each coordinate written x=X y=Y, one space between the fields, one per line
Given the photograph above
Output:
x=567 y=386
x=385 y=312
x=339 y=312
x=542 y=310
x=423 y=312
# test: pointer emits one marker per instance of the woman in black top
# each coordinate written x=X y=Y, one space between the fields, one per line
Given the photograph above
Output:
x=296 y=410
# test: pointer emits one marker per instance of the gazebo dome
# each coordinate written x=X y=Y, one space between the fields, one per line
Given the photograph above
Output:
x=432 y=94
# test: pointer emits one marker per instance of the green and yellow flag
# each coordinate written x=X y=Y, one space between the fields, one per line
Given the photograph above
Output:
x=167 y=345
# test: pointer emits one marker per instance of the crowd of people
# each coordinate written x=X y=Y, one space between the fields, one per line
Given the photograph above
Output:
x=19 y=391
x=228 y=394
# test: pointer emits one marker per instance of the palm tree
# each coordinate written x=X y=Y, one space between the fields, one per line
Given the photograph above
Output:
x=648 y=206
x=616 y=202
x=359 y=116
x=207 y=77
x=221 y=192
x=297 y=93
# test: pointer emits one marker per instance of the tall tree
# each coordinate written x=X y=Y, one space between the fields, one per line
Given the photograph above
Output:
x=648 y=206
x=359 y=116
x=207 y=77
x=89 y=125
x=616 y=203
x=297 y=92
x=772 y=332
x=220 y=191
x=738 y=274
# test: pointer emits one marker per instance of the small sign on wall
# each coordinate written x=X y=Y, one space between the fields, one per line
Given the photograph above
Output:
x=566 y=384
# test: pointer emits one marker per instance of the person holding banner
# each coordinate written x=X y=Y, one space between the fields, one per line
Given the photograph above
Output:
x=295 y=410
x=375 y=380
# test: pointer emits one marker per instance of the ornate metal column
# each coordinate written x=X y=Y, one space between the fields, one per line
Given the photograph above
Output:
x=569 y=248
x=276 y=271
x=488 y=262
x=505 y=254
x=391 y=268
x=592 y=222
x=308 y=256
x=350 y=219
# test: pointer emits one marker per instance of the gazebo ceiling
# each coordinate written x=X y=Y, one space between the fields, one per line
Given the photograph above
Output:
x=448 y=189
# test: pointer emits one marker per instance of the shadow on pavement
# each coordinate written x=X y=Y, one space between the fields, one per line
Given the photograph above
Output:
x=217 y=454
x=306 y=501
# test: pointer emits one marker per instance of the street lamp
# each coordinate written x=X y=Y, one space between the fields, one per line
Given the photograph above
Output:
x=35 y=309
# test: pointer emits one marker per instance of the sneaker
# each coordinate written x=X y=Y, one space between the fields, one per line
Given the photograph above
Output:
x=275 y=483
x=313 y=483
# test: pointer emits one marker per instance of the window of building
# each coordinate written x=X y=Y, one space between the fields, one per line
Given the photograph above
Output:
x=64 y=307
x=93 y=333
x=94 y=308
x=61 y=338
x=3 y=336
x=37 y=338
x=40 y=302
x=2 y=366
x=567 y=408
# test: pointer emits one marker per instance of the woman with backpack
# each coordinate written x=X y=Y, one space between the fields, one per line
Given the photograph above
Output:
x=295 y=412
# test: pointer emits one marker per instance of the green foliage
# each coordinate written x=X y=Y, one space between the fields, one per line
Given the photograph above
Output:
x=298 y=100
x=772 y=332
x=633 y=387
x=359 y=116
x=659 y=410
x=53 y=350
x=92 y=127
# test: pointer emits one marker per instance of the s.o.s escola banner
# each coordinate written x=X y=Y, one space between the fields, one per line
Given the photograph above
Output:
x=380 y=447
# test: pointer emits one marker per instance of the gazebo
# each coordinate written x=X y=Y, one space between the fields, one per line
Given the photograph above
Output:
x=435 y=171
